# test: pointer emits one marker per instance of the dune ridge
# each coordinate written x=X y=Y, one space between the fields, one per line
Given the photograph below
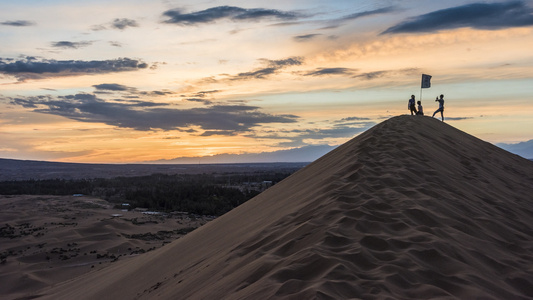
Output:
x=411 y=209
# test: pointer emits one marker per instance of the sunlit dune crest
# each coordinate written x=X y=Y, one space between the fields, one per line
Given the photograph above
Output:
x=411 y=209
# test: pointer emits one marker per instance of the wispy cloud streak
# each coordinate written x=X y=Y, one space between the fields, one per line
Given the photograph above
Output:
x=233 y=13
x=477 y=15
x=18 y=23
x=33 y=68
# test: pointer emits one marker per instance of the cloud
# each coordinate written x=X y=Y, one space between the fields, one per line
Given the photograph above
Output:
x=384 y=73
x=293 y=61
x=119 y=24
x=219 y=132
x=372 y=75
x=210 y=15
x=271 y=67
x=344 y=128
x=141 y=115
x=130 y=92
x=490 y=16
x=33 y=68
x=351 y=119
x=18 y=23
x=335 y=23
x=156 y=93
x=71 y=45
x=203 y=94
x=338 y=130
x=111 y=87
x=306 y=37
x=330 y=71
x=384 y=10
x=115 y=44
x=123 y=23
x=200 y=100
x=457 y=118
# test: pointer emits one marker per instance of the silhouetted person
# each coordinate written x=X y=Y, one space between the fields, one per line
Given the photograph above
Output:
x=420 y=109
x=441 y=107
x=411 y=105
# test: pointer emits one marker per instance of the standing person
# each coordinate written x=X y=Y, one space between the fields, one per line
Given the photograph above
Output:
x=411 y=105
x=420 y=109
x=441 y=107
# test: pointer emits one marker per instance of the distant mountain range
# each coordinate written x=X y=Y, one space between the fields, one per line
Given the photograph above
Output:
x=12 y=169
x=524 y=149
x=303 y=154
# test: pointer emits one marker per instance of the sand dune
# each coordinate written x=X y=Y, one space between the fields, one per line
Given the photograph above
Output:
x=411 y=209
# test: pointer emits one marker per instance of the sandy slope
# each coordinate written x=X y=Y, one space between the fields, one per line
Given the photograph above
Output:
x=411 y=209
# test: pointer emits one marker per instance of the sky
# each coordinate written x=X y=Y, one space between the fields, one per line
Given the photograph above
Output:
x=141 y=81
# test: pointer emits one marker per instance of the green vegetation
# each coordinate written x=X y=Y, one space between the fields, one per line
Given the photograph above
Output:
x=203 y=194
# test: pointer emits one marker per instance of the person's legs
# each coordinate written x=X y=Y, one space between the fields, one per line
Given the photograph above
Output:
x=441 y=113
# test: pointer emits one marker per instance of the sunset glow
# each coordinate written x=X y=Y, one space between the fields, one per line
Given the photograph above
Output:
x=139 y=81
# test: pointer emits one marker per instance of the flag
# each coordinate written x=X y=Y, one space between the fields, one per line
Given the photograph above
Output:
x=426 y=81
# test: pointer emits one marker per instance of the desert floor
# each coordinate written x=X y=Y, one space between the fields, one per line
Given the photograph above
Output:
x=45 y=240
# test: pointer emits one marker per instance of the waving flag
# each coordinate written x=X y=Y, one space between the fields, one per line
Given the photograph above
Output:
x=426 y=81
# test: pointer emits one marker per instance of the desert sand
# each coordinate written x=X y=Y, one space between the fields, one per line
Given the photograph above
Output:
x=411 y=209
x=45 y=240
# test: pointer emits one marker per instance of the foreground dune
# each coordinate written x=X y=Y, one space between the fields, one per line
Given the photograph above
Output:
x=411 y=209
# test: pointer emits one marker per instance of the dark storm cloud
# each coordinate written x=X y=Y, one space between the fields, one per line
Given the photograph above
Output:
x=141 y=115
x=32 y=68
x=123 y=23
x=18 y=23
x=477 y=15
x=330 y=71
x=177 y=16
x=71 y=45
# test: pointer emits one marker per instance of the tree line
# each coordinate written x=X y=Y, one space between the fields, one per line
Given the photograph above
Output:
x=203 y=194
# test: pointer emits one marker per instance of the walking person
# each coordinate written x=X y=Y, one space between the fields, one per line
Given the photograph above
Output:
x=420 y=108
x=441 y=107
x=411 y=105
